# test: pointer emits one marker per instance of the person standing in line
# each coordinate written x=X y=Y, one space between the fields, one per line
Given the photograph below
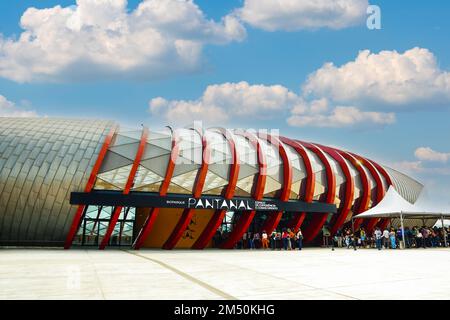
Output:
x=392 y=238
x=377 y=235
x=386 y=238
x=256 y=240
x=326 y=235
x=264 y=241
x=284 y=238
x=244 y=240
x=291 y=238
x=299 y=239
x=279 y=243
x=362 y=236
x=339 y=238
x=273 y=240
x=348 y=238
x=425 y=235
x=251 y=242
x=419 y=239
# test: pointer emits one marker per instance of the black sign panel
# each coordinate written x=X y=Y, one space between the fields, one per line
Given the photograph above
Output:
x=148 y=200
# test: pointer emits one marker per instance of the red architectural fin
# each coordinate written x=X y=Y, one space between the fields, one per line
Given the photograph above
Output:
x=244 y=221
x=116 y=213
x=311 y=231
x=150 y=221
x=383 y=223
x=370 y=224
x=338 y=219
x=274 y=218
x=186 y=217
x=308 y=195
x=366 y=186
x=90 y=184
x=217 y=218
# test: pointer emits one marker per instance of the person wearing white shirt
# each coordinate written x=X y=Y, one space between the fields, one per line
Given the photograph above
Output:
x=377 y=235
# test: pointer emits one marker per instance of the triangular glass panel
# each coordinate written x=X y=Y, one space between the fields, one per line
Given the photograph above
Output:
x=213 y=181
x=222 y=170
x=297 y=175
x=120 y=140
x=127 y=150
x=217 y=191
x=145 y=177
x=136 y=134
x=271 y=185
x=101 y=184
x=165 y=143
x=194 y=155
x=152 y=151
x=183 y=168
x=241 y=193
x=158 y=165
x=186 y=180
x=246 y=170
x=247 y=183
x=295 y=188
x=174 y=188
x=154 y=187
x=156 y=135
x=113 y=161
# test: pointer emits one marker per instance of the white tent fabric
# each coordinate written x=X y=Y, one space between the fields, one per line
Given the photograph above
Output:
x=393 y=205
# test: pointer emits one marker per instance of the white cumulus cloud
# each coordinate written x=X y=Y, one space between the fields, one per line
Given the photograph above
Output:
x=317 y=114
x=10 y=109
x=293 y=15
x=371 y=88
x=428 y=154
x=221 y=102
x=388 y=78
x=101 y=38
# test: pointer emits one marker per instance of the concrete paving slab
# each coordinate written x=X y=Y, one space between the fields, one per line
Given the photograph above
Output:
x=224 y=274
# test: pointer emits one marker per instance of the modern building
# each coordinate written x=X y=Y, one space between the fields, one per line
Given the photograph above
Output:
x=66 y=182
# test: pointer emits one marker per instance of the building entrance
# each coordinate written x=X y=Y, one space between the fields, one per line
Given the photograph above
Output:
x=95 y=223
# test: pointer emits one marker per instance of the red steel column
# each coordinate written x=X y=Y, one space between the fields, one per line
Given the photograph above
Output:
x=312 y=230
x=244 y=222
x=383 y=222
x=215 y=221
x=154 y=212
x=380 y=190
x=364 y=203
x=338 y=220
x=298 y=218
x=89 y=185
x=274 y=218
x=187 y=214
x=116 y=213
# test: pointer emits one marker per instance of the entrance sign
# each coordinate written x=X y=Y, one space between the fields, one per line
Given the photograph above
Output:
x=154 y=200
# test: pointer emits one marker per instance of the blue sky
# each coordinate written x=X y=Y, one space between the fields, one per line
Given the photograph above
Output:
x=270 y=57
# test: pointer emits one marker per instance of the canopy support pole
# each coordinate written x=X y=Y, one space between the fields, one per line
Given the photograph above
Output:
x=353 y=225
x=403 y=230
x=445 y=233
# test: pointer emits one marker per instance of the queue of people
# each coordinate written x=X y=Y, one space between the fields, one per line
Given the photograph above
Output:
x=286 y=239
x=416 y=237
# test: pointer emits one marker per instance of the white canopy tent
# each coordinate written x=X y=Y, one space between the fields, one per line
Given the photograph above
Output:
x=394 y=205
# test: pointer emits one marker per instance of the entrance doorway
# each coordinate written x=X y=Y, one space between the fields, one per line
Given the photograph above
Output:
x=95 y=223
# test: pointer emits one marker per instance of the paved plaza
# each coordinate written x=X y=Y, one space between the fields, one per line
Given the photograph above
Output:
x=221 y=274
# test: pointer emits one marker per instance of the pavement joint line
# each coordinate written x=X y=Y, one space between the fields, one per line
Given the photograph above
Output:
x=199 y=282
x=284 y=279
x=96 y=276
